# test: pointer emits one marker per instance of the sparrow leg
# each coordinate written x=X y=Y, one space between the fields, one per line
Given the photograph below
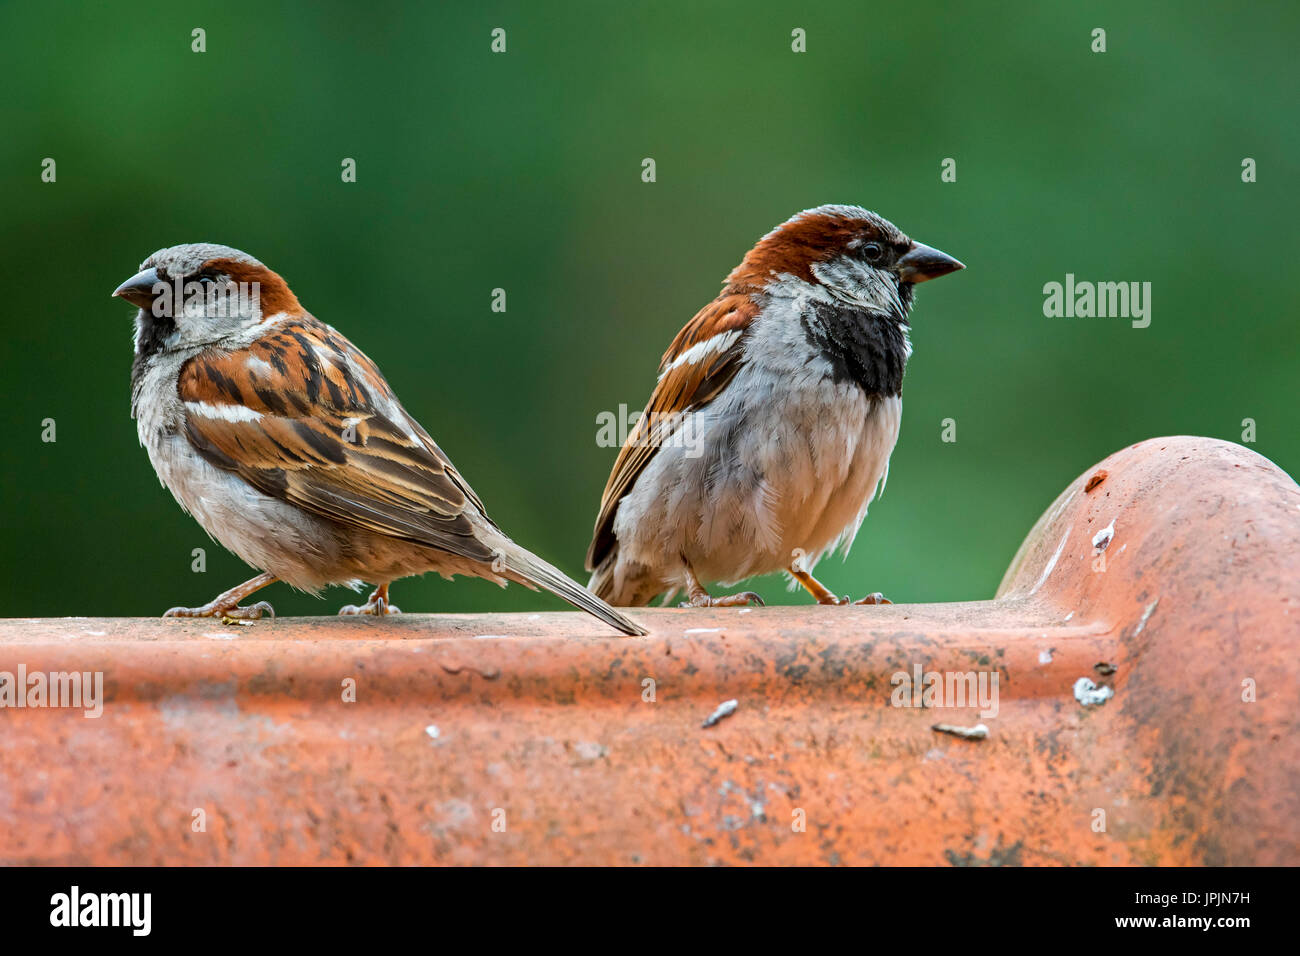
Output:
x=700 y=597
x=823 y=595
x=227 y=604
x=378 y=604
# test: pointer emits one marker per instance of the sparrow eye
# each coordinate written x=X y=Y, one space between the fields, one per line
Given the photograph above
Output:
x=872 y=251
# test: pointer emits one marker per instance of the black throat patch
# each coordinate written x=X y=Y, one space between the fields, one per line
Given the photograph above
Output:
x=154 y=330
x=862 y=347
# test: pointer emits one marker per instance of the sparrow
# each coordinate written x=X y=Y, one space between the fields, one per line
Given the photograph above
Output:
x=773 y=418
x=288 y=446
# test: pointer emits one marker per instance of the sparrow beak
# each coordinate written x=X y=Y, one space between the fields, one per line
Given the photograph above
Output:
x=138 y=290
x=922 y=263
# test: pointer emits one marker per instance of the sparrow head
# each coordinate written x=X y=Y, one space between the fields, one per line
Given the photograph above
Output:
x=200 y=293
x=854 y=255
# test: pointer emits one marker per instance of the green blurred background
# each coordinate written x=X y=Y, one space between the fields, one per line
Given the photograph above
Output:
x=522 y=171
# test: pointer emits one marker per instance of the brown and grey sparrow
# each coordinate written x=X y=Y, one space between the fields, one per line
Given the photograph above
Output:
x=773 y=419
x=287 y=445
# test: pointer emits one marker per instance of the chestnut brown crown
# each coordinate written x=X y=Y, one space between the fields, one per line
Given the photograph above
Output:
x=822 y=236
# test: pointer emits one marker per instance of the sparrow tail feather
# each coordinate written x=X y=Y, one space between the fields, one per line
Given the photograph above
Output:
x=536 y=571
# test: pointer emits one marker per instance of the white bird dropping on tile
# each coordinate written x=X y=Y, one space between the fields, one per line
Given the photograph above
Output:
x=978 y=732
x=1101 y=540
x=1088 y=693
x=725 y=709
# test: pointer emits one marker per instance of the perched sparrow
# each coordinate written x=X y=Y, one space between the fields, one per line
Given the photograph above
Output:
x=773 y=419
x=287 y=445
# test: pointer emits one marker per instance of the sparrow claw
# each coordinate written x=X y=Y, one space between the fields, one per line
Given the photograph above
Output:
x=874 y=597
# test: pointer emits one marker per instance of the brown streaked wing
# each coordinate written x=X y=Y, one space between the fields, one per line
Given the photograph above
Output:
x=679 y=389
x=328 y=435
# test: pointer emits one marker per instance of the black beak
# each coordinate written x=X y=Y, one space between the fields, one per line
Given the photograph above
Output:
x=922 y=263
x=138 y=290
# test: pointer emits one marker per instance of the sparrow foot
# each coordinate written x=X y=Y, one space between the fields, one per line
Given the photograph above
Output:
x=701 y=598
x=233 y=611
x=377 y=608
x=727 y=600
x=378 y=605
x=227 y=604
x=874 y=598
x=823 y=594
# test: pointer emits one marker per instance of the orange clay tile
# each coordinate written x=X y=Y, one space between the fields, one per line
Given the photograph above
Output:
x=536 y=738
